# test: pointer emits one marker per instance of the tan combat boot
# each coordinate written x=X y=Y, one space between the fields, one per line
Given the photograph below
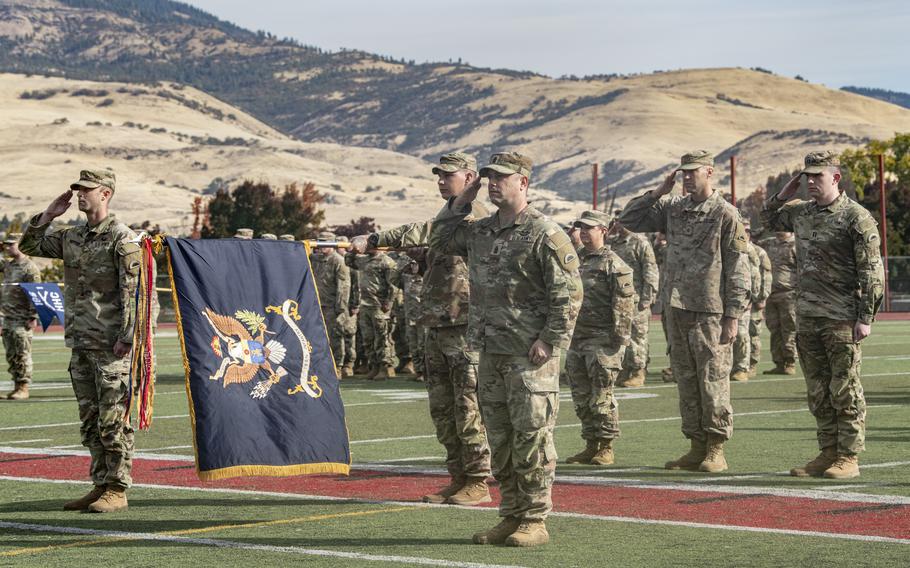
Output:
x=19 y=393
x=499 y=533
x=408 y=368
x=474 y=492
x=440 y=496
x=604 y=455
x=636 y=379
x=113 y=499
x=817 y=466
x=714 y=458
x=385 y=373
x=691 y=460
x=739 y=376
x=790 y=369
x=362 y=369
x=844 y=467
x=777 y=370
x=347 y=370
x=372 y=373
x=753 y=370
x=667 y=375
x=419 y=379
x=529 y=533
x=83 y=502
x=586 y=454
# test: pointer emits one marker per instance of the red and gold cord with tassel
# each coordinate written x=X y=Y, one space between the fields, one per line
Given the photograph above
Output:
x=142 y=368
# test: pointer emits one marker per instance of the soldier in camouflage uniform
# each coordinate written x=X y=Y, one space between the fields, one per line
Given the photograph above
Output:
x=705 y=293
x=602 y=333
x=402 y=338
x=637 y=253
x=838 y=292
x=333 y=280
x=760 y=278
x=451 y=366
x=378 y=290
x=412 y=274
x=660 y=256
x=525 y=297
x=348 y=322
x=19 y=315
x=781 y=305
x=101 y=269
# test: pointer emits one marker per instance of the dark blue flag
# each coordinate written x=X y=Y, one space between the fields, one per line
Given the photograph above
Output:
x=264 y=390
x=48 y=301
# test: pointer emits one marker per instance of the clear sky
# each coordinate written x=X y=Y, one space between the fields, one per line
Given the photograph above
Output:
x=834 y=42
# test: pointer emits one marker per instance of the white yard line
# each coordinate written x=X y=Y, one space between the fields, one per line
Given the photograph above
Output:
x=59 y=424
x=484 y=510
x=26 y=441
x=220 y=543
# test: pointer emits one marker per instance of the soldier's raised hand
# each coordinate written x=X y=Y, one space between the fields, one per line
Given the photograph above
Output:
x=789 y=190
x=360 y=243
x=469 y=194
x=57 y=207
x=668 y=183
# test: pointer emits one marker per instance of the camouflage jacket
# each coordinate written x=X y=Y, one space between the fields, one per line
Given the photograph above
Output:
x=605 y=320
x=782 y=254
x=761 y=264
x=706 y=268
x=524 y=279
x=333 y=280
x=100 y=274
x=839 y=266
x=376 y=280
x=446 y=293
x=636 y=251
x=14 y=303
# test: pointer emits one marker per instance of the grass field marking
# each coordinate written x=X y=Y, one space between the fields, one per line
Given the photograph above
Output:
x=60 y=424
x=166 y=448
x=85 y=453
x=111 y=536
x=26 y=441
x=763 y=530
x=399 y=460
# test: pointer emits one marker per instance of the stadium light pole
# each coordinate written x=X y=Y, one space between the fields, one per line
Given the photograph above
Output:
x=882 y=209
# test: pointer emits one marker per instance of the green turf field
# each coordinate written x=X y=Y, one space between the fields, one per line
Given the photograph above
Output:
x=390 y=428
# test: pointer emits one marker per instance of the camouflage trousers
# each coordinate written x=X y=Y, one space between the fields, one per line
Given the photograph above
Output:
x=348 y=325
x=592 y=376
x=742 y=345
x=451 y=379
x=755 y=322
x=377 y=329
x=780 y=310
x=830 y=360
x=519 y=402
x=417 y=338
x=701 y=367
x=335 y=332
x=637 y=352
x=400 y=337
x=17 y=343
x=101 y=384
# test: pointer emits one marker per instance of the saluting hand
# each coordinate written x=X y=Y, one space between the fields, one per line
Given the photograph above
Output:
x=789 y=190
x=469 y=194
x=667 y=186
x=57 y=207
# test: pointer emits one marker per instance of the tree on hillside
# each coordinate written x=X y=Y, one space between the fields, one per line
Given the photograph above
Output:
x=256 y=205
x=362 y=226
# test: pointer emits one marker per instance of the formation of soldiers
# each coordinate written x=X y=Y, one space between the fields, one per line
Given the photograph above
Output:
x=490 y=310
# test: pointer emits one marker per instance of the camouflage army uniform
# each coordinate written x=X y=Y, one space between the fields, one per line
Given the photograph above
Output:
x=599 y=343
x=19 y=316
x=377 y=290
x=758 y=293
x=333 y=280
x=524 y=286
x=101 y=269
x=636 y=251
x=839 y=282
x=349 y=322
x=758 y=314
x=706 y=276
x=451 y=366
x=412 y=285
x=780 y=310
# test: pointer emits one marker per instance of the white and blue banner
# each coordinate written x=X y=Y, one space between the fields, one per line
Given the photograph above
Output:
x=48 y=300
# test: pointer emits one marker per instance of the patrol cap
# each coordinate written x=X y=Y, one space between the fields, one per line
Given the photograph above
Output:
x=696 y=159
x=90 y=179
x=326 y=236
x=455 y=161
x=244 y=233
x=508 y=163
x=286 y=237
x=816 y=162
x=594 y=219
x=12 y=238
x=342 y=239
x=269 y=236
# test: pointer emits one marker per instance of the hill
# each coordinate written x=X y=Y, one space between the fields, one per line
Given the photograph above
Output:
x=635 y=126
